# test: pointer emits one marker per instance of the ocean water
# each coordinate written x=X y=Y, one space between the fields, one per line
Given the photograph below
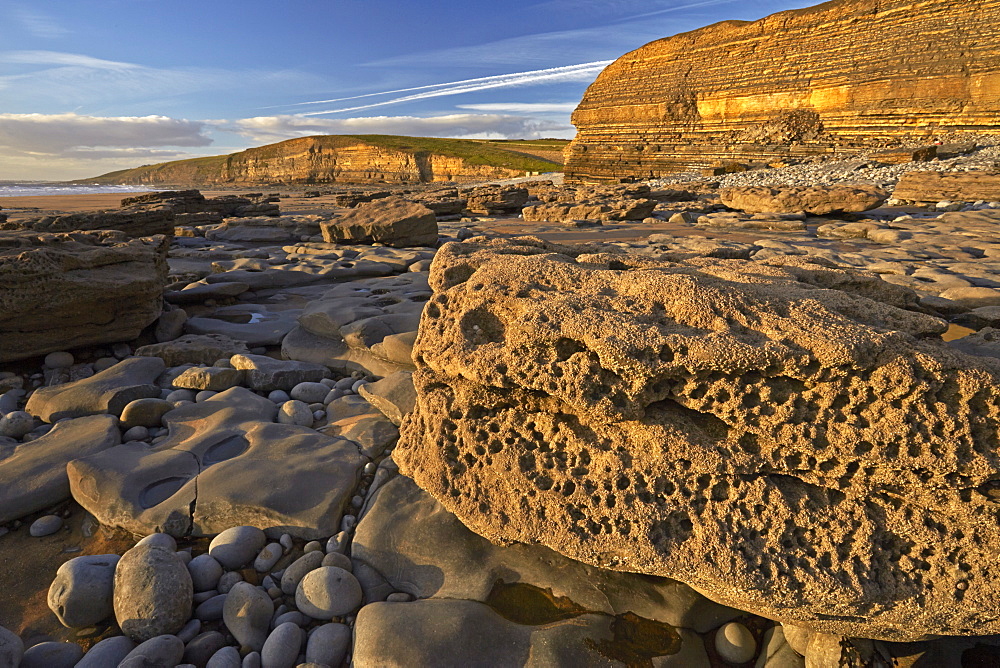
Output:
x=38 y=188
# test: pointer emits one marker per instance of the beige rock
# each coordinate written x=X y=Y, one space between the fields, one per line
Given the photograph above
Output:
x=815 y=200
x=60 y=291
x=392 y=221
x=780 y=435
x=939 y=186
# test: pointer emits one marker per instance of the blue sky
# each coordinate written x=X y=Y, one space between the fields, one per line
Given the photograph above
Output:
x=90 y=86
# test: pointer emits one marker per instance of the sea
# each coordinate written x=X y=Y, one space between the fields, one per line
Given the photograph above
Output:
x=42 y=188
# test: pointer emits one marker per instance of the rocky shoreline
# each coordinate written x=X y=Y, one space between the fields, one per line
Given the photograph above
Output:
x=797 y=424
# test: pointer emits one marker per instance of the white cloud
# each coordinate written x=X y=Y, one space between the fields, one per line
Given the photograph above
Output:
x=498 y=126
x=63 y=59
x=38 y=24
x=523 y=107
x=580 y=72
x=62 y=133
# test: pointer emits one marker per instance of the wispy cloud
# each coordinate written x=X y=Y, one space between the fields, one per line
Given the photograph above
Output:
x=60 y=80
x=38 y=24
x=679 y=8
x=64 y=133
x=580 y=72
x=522 y=107
x=500 y=126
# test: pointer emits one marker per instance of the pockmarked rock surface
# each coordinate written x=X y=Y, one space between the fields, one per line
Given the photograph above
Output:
x=34 y=473
x=392 y=221
x=813 y=81
x=219 y=468
x=815 y=200
x=784 y=436
x=152 y=592
x=61 y=291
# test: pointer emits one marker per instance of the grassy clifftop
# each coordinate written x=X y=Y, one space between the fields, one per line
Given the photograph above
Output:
x=319 y=159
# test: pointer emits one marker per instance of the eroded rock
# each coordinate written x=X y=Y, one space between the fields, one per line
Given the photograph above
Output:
x=782 y=435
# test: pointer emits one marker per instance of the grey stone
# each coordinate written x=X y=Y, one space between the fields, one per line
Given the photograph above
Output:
x=394 y=395
x=34 y=474
x=328 y=592
x=106 y=653
x=293 y=575
x=310 y=393
x=776 y=652
x=170 y=325
x=212 y=378
x=145 y=412
x=295 y=412
x=203 y=647
x=82 y=592
x=211 y=608
x=227 y=581
x=328 y=644
x=203 y=478
x=161 y=540
x=205 y=572
x=735 y=644
x=453 y=633
x=52 y=655
x=268 y=557
x=16 y=424
x=281 y=650
x=227 y=657
x=247 y=615
x=106 y=392
x=194 y=349
x=153 y=593
x=265 y=374
x=163 y=651
x=412 y=544
x=11 y=648
x=190 y=631
x=263 y=327
x=236 y=547
x=252 y=660
x=692 y=653
x=45 y=526
x=59 y=360
x=136 y=434
x=198 y=293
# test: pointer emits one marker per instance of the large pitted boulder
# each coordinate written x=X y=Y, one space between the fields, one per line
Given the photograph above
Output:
x=392 y=221
x=225 y=463
x=815 y=200
x=781 y=435
x=60 y=291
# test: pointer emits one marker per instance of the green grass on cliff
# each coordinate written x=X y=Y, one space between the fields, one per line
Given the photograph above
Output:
x=506 y=154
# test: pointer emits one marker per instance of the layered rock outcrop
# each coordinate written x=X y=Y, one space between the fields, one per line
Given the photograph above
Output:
x=60 y=291
x=785 y=436
x=843 y=74
x=329 y=159
x=927 y=187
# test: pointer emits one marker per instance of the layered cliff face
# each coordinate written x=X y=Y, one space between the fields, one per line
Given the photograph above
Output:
x=841 y=75
x=346 y=159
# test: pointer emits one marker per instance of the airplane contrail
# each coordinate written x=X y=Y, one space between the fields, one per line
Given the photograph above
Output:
x=568 y=72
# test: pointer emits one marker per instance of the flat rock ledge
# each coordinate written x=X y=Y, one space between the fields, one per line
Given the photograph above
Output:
x=783 y=435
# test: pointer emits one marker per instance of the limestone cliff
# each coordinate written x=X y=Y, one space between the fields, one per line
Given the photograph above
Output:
x=343 y=158
x=840 y=75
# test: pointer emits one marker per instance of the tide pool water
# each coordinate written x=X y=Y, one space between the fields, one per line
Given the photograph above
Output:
x=14 y=189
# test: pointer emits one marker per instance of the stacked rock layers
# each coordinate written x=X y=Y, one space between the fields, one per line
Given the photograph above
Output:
x=847 y=73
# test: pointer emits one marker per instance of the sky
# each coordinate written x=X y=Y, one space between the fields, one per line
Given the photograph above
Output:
x=91 y=86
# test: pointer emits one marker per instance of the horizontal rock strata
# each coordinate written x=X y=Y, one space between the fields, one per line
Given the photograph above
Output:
x=784 y=436
x=60 y=291
x=924 y=187
x=848 y=73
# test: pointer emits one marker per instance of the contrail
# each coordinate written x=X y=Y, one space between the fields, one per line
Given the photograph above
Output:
x=568 y=72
